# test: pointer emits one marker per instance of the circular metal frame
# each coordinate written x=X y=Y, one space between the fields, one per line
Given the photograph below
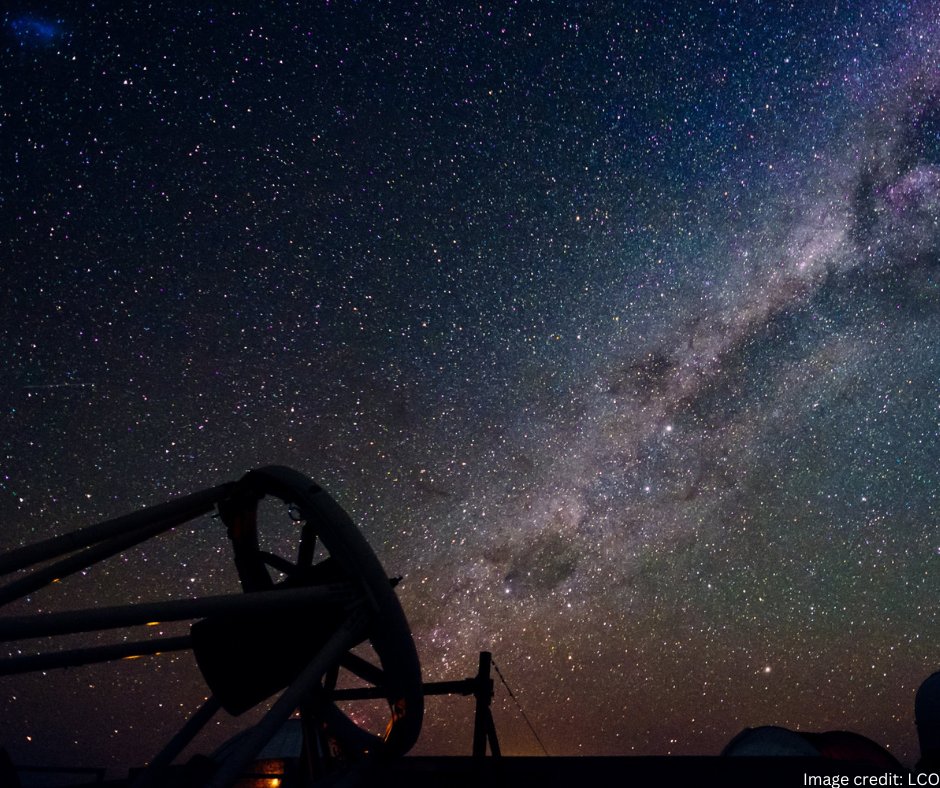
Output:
x=307 y=625
x=383 y=620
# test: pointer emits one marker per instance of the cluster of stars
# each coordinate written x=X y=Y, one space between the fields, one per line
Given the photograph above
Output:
x=613 y=328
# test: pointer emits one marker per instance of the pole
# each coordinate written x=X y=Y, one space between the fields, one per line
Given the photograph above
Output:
x=74 y=658
x=483 y=725
x=191 y=506
x=89 y=620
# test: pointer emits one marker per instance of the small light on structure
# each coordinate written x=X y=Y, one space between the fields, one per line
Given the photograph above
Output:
x=266 y=773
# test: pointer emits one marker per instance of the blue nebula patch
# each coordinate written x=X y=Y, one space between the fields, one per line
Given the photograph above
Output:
x=33 y=31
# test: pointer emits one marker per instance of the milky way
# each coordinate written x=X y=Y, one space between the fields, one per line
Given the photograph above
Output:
x=666 y=443
x=614 y=329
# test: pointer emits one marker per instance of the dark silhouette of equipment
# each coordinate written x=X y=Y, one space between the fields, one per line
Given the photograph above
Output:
x=927 y=716
x=479 y=686
x=292 y=635
x=774 y=741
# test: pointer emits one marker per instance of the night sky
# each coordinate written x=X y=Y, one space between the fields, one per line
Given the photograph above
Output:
x=614 y=325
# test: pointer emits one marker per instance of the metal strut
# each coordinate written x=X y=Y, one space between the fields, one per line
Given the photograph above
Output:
x=340 y=601
x=479 y=686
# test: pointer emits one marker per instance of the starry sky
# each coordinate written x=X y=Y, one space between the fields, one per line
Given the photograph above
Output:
x=613 y=325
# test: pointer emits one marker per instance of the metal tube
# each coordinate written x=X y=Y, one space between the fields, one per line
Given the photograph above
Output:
x=342 y=640
x=74 y=658
x=75 y=563
x=460 y=687
x=48 y=624
x=191 y=506
x=457 y=687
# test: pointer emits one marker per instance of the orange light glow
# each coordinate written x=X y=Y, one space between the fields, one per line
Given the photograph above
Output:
x=267 y=773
